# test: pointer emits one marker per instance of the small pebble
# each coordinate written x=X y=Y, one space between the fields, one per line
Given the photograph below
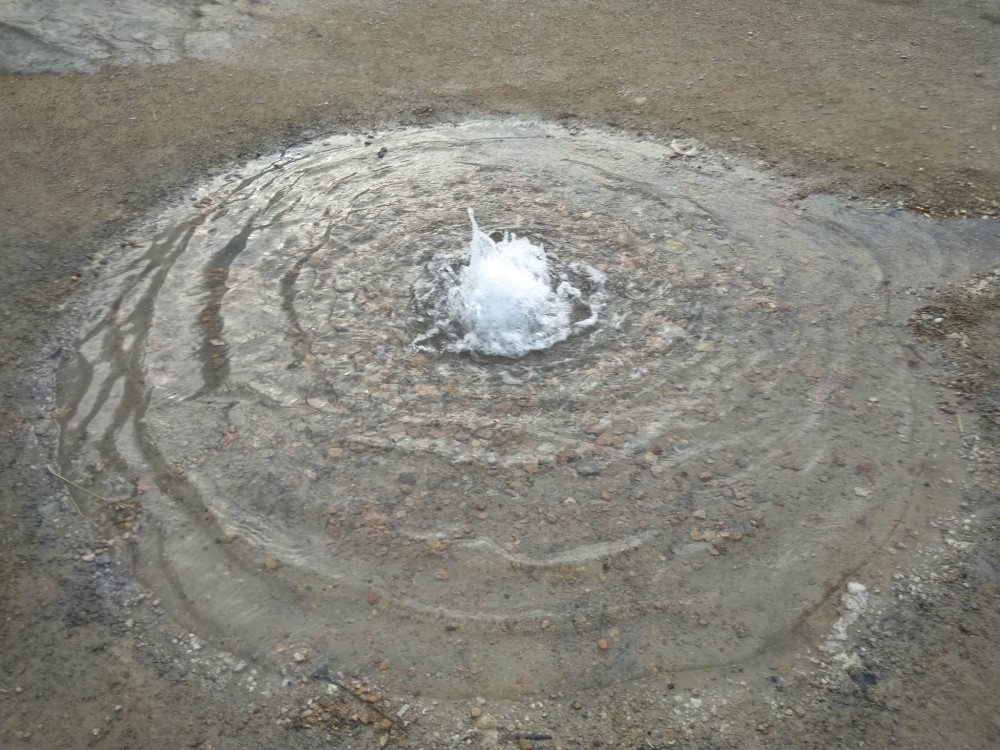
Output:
x=486 y=722
x=227 y=536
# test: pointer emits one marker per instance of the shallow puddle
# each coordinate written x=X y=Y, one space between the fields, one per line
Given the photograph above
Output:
x=674 y=487
x=39 y=36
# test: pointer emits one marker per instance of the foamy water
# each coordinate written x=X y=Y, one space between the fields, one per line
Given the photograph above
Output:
x=505 y=299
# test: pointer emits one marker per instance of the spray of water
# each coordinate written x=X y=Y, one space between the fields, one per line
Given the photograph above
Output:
x=505 y=299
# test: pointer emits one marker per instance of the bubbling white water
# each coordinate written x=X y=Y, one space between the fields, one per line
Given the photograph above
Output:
x=505 y=299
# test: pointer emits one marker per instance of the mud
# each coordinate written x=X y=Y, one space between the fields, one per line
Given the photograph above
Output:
x=887 y=105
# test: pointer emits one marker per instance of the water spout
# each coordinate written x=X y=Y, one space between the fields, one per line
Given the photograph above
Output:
x=505 y=299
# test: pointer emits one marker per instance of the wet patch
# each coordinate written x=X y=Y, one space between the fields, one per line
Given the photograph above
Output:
x=674 y=488
x=40 y=36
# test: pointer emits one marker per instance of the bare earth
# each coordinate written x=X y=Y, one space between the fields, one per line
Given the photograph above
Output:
x=892 y=101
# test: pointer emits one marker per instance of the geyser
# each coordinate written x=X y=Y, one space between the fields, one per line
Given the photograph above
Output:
x=505 y=299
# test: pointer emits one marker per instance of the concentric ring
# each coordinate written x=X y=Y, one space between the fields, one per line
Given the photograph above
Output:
x=683 y=480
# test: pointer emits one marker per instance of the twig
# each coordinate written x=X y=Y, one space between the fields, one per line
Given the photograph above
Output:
x=323 y=673
x=533 y=736
x=961 y=430
x=72 y=502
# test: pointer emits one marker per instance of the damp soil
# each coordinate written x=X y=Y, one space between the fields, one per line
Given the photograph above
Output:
x=889 y=105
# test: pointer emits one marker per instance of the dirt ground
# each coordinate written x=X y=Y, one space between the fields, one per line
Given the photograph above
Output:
x=894 y=101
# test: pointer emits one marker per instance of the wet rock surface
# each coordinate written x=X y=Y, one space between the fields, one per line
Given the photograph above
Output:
x=49 y=36
x=115 y=664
